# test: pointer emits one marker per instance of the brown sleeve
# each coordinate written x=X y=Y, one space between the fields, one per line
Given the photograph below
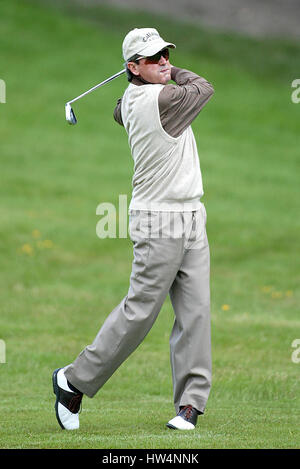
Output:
x=180 y=104
x=117 y=112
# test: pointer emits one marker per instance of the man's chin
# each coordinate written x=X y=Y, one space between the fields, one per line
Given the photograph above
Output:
x=165 y=77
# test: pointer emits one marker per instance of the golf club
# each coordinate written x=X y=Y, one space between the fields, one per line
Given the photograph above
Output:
x=70 y=115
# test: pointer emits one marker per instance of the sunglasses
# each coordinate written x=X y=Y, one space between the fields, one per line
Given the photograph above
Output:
x=154 y=59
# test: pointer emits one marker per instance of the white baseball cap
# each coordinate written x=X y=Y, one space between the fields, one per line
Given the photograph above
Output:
x=144 y=42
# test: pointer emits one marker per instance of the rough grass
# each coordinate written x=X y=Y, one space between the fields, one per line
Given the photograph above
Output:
x=59 y=281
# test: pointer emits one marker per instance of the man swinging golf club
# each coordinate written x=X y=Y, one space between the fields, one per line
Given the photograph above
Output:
x=167 y=223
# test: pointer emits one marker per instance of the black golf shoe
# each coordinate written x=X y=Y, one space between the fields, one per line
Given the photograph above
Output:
x=186 y=419
x=68 y=403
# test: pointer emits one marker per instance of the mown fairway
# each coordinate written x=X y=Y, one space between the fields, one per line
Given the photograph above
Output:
x=59 y=280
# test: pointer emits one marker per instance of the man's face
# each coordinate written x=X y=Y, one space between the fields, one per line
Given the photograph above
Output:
x=159 y=72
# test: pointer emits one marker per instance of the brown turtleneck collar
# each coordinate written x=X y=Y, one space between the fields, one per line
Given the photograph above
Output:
x=138 y=81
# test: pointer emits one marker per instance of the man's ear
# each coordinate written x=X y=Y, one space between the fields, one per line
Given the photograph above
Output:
x=133 y=67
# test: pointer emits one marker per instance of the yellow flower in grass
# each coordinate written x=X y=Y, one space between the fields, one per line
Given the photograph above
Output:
x=289 y=293
x=27 y=249
x=36 y=234
x=48 y=244
x=45 y=244
x=266 y=289
x=225 y=307
x=276 y=294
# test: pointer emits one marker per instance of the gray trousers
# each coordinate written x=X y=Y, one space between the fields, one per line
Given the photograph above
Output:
x=171 y=256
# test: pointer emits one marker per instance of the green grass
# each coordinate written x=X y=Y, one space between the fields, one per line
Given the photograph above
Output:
x=55 y=294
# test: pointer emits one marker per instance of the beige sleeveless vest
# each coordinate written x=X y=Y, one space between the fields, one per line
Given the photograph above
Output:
x=167 y=174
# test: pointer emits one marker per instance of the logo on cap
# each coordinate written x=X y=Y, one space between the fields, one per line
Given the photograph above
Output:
x=149 y=36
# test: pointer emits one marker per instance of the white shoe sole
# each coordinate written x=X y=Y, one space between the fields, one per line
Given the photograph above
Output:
x=178 y=423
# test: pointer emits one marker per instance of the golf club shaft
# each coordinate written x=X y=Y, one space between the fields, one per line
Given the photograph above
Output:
x=97 y=86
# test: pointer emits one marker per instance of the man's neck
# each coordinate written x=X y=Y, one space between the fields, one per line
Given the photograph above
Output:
x=139 y=81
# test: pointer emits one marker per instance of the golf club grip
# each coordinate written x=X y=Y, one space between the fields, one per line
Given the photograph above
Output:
x=97 y=86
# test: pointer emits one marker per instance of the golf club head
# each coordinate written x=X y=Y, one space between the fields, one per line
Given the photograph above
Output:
x=70 y=116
